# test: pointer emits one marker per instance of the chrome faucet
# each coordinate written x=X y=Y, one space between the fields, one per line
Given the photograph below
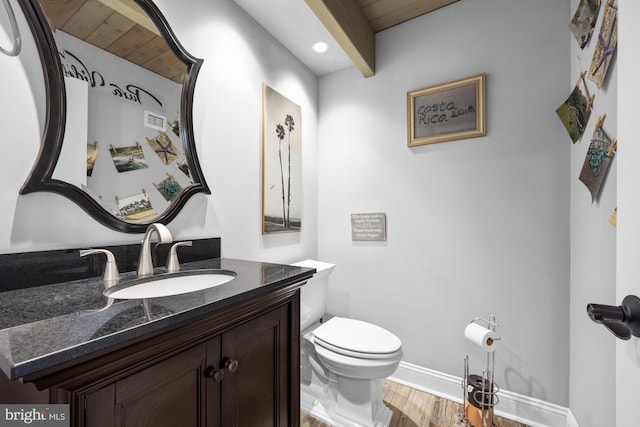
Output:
x=111 y=275
x=145 y=264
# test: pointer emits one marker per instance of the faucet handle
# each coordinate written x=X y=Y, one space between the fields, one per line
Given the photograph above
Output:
x=173 y=264
x=111 y=274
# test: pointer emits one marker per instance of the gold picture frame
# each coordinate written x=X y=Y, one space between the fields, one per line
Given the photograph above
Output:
x=447 y=112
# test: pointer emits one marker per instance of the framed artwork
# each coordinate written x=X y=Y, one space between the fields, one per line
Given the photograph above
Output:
x=613 y=218
x=576 y=110
x=163 y=147
x=169 y=188
x=184 y=167
x=92 y=155
x=136 y=208
x=447 y=112
x=281 y=163
x=128 y=159
x=596 y=163
x=607 y=42
x=584 y=20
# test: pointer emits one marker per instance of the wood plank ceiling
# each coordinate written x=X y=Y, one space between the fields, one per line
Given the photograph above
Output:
x=122 y=28
x=119 y=27
x=353 y=23
x=383 y=14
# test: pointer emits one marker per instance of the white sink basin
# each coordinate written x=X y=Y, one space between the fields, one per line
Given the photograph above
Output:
x=164 y=285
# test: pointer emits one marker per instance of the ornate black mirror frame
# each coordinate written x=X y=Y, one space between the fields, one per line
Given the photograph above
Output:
x=40 y=178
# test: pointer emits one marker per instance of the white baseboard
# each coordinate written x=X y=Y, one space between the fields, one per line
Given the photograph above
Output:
x=523 y=409
x=571 y=421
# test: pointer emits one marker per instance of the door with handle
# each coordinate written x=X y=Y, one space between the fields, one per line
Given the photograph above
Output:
x=255 y=363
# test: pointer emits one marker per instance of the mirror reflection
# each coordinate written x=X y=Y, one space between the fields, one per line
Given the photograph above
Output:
x=125 y=145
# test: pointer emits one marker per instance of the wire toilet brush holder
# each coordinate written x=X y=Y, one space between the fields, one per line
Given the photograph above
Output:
x=483 y=393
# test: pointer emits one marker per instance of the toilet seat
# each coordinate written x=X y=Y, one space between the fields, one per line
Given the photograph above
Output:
x=358 y=339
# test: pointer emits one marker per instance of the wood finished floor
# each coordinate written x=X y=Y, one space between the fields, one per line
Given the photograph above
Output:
x=415 y=408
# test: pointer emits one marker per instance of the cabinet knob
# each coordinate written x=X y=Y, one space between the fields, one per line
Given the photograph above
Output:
x=230 y=365
x=216 y=374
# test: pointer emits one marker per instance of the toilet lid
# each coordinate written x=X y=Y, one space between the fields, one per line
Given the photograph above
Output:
x=349 y=336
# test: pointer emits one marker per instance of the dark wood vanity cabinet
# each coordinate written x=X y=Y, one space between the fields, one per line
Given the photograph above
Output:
x=238 y=367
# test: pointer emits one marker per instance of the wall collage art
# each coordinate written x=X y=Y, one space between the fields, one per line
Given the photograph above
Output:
x=138 y=207
x=576 y=110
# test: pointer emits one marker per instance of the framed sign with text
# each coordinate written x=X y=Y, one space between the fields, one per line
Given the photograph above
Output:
x=369 y=226
x=446 y=112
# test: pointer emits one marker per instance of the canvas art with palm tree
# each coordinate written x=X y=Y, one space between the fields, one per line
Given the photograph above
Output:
x=281 y=158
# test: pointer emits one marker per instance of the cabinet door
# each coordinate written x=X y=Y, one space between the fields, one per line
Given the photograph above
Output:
x=256 y=388
x=169 y=393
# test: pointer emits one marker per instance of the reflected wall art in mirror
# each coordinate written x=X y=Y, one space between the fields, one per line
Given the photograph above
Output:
x=118 y=136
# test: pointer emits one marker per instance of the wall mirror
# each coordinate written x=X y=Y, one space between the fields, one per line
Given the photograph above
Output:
x=118 y=136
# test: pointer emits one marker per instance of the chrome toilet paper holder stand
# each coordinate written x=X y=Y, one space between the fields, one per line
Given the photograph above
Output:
x=489 y=392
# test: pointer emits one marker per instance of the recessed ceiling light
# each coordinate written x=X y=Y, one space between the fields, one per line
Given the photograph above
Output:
x=320 y=47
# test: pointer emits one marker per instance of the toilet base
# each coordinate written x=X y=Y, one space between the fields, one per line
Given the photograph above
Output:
x=352 y=403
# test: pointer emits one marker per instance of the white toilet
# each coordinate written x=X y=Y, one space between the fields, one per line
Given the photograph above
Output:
x=342 y=360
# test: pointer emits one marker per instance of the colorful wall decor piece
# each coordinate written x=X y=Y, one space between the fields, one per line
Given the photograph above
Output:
x=129 y=158
x=169 y=188
x=576 y=110
x=613 y=218
x=175 y=127
x=281 y=163
x=584 y=20
x=163 y=147
x=607 y=41
x=184 y=167
x=136 y=208
x=596 y=164
x=92 y=155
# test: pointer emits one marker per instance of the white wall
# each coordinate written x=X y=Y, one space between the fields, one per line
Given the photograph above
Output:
x=593 y=253
x=475 y=227
x=628 y=244
x=239 y=56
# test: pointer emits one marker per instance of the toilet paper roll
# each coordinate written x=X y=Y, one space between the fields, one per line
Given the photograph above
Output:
x=480 y=336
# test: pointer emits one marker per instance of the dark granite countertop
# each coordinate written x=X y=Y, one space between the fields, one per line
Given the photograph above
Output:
x=46 y=325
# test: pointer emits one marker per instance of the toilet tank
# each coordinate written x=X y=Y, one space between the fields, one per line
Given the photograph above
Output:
x=313 y=298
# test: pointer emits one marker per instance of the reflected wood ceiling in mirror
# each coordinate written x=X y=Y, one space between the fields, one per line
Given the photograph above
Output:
x=122 y=28
x=119 y=27
x=383 y=14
